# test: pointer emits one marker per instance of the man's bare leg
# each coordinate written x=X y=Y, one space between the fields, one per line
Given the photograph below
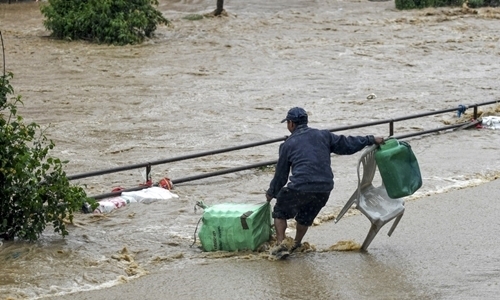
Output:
x=280 y=226
x=301 y=231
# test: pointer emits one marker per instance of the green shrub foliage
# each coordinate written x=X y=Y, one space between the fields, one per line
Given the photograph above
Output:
x=483 y=3
x=475 y=3
x=411 y=4
x=103 y=21
x=34 y=189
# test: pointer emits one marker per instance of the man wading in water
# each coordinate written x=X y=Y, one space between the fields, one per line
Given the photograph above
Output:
x=306 y=152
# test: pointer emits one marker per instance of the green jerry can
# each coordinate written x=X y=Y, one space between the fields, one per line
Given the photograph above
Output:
x=398 y=168
x=235 y=226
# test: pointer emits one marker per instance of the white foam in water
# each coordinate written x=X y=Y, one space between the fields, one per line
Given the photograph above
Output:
x=456 y=183
x=59 y=291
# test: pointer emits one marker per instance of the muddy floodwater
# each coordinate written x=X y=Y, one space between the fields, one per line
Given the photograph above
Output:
x=222 y=82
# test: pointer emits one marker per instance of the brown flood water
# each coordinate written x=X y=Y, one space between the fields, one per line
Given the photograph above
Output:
x=222 y=82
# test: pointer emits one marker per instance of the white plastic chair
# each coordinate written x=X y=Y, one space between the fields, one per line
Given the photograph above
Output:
x=373 y=201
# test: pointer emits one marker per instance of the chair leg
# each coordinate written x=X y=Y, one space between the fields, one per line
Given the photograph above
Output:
x=369 y=238
x=396 y=222
x=347 y=206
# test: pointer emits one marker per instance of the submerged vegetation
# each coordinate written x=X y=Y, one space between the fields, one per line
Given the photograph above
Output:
x=412 y=4
x=34 y=189
x=110 y=21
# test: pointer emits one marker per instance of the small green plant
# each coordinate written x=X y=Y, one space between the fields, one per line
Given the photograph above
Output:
x=492 y=3
x=419 y=4
x=475 y=3
x=405 y=4
x=268 y=168
x=102 y=21
x=34 y=189
x=193 y=17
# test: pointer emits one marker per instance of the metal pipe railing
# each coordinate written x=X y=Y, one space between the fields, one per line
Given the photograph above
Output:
x=237 y=169
x=250 y=145
x=264 y=164
x=192 y=178
x=173 y=159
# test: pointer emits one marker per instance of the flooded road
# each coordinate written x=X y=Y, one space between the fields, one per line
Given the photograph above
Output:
x=444 y=248
x=222 y=82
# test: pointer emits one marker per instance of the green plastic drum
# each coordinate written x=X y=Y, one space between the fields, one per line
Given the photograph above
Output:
x=235 y=226
x=398 y=168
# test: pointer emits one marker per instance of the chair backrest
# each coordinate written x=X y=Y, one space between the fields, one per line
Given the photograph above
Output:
x=367 y=160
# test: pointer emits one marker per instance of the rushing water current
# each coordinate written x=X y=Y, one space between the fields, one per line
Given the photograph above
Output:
x=221 y=82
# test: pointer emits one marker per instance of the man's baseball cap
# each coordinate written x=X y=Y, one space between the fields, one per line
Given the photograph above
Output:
x=297 y=115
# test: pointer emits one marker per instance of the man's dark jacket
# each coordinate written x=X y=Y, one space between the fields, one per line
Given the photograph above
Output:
x=307 y=153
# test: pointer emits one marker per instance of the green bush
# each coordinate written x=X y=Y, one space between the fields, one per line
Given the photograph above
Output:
x=475 y=3
x=34 y=189
x=492 y=3
x=102 y=21
x=405 y=4
x=411 y=4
